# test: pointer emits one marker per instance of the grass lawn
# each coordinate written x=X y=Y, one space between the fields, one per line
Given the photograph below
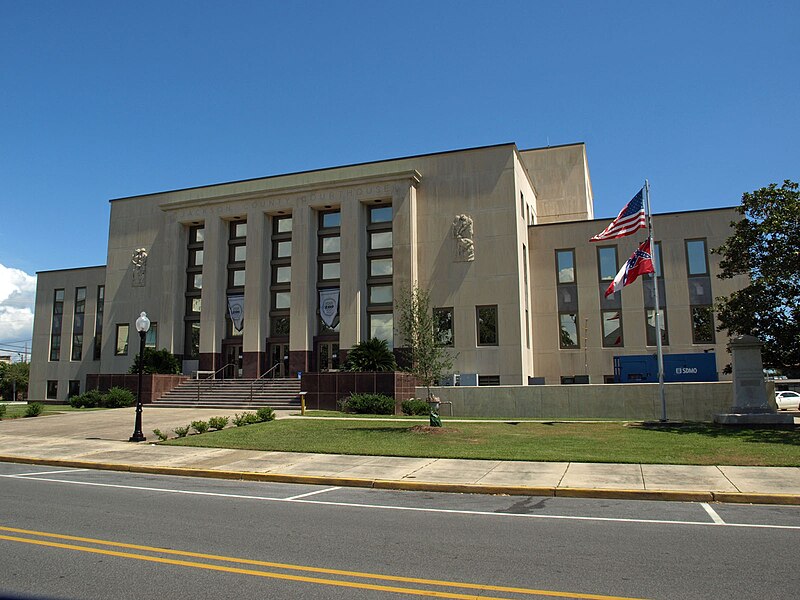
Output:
x=332 y=414
x=691 y=444
x=15 y=411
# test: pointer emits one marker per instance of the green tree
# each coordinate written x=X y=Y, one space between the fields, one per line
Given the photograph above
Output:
x=369 y=356
x=14 y=377
x=765 y=246
x=162 y=362
x=428 y=360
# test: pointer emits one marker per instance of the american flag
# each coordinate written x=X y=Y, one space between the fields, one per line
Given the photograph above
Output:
x=628 y=221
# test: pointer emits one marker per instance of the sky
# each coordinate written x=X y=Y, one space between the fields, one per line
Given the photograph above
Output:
x=102 y=100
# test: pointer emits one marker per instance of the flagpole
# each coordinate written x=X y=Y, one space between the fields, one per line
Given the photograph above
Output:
x=661 y=391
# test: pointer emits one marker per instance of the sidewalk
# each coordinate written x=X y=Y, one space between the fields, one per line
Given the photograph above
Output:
x=98 y=440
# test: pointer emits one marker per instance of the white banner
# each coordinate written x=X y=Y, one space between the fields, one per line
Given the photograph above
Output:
x=236 y=311
x=329 y=305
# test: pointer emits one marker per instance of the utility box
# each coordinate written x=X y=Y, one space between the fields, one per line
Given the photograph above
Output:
x=643 y=368
x=469 y=379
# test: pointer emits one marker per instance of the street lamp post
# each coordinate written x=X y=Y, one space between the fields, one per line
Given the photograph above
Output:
x=142 y=326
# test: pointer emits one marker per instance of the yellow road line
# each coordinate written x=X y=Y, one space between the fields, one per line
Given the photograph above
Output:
x=357 y=574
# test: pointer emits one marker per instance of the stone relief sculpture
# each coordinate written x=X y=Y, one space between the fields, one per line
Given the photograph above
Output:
x=139 y=262
x=462 y=231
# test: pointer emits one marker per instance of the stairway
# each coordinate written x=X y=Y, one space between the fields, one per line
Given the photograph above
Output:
x=233 y=393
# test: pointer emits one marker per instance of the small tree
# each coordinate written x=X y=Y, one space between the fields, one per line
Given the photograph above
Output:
x=14 y=380
x=429 y=361
x=161 y=362
x=765 y=246
x=370 y=355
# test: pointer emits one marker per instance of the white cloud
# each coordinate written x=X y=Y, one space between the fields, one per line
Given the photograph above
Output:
x=17 y=296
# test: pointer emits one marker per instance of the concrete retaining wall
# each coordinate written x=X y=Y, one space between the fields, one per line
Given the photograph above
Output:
x=630 y=401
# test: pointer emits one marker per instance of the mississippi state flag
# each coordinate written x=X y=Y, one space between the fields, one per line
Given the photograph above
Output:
x=641 y=262
x=629 y=220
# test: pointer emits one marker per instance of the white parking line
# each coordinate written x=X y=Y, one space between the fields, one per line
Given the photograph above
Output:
x=712 y=513
x=49 y=472
x=450 y=511
x=330 y=489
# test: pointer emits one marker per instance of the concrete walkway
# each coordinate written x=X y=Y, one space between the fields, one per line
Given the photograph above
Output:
x=99 y=440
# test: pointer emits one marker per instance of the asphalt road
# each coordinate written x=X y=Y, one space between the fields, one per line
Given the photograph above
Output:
x=67 y=533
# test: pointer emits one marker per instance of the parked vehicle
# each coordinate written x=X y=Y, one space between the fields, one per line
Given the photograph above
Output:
x=787 y=399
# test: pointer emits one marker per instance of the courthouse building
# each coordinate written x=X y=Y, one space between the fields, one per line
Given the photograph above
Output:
x=290 y=271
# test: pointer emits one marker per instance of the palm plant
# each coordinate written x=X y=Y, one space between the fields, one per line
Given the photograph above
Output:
x=370 y=355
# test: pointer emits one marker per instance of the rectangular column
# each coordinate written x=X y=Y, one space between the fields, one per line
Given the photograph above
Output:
x=212 y=318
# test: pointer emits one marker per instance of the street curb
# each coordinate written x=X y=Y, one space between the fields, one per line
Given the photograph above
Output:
x=423 y=486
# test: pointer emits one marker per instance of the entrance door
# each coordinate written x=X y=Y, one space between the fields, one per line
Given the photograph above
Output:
x=279 y=355
x=328 y=356
x=234 y=360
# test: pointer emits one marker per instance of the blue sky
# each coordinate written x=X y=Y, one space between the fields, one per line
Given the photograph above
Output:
x=100 y=100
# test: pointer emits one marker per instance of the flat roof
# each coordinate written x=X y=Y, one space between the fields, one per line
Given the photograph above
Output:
x=658 y=214
x=371 y=162
x=72 y=269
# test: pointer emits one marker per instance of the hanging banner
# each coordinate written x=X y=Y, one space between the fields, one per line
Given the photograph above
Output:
x=329 y=305
x=236 y=311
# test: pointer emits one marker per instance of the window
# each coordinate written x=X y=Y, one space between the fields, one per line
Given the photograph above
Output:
x=52 y=389
x=565 y=266
x=282 y=225
x=379 y=267
x=281 y=300
x=282 y=274
x=607 y=263
x=696 y=257
x=380 y=294
x=651 y=327
x=381 y=326
x=279 y=326
x=77 y=323
x=330 y=245
x=488 y=379
x=486 y=317
x=74 y=388
x=194 y=287
x=283 y=249
x=443 y=326
x=281 y=281
x=330 y=219
x=380 y=240
x=55 y=329
x=569 y=331
x=121 y=346
x=151 y=339
x=612 y=328
x=380 y=214
x=702 y=325
x=98 y=324
x=330 y=271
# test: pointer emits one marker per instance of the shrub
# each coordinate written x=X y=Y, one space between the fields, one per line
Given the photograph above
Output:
x=118 y=398
x=371 y=404
x=182 y=431
x=157 y=361
x=264 y=414
x=217 y=423
x=200 y=426
x=161 y=435
x=34 y=409
x=370 y=355
x=2 y=410
x=89 y=399
x=415 y=406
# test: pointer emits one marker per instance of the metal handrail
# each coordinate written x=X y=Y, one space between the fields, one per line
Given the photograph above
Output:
x=262 y=379
x=211 y=377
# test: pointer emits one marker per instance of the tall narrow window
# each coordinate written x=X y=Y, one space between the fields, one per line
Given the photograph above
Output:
x=77 y=323
x=610 y=306
x=98 y=321
x=121 y=345
x=237 y=255
x=55 y=329
x=567 y=298
x=281 y=280
x=486 y=322
x=443 y=326
x=651 y=327
x=648 y=287
x=328 y=270
x=700 y=295
x=379 y=275
x=194 y=287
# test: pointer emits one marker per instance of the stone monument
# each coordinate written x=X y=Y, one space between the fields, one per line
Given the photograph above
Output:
x=750 y=403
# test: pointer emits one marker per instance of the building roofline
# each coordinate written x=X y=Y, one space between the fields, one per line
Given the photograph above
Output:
x=554 y=147
x=659 y=214
x=320 y=170
x=72 y=269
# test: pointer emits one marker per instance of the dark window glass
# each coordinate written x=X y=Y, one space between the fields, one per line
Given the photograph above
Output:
x=651 y=327
x=443 y=326
x=280 y=326
x=192 y=340
x=52 y=390
x=74 y=388
x=121 y=346
x=702 y=325
x=487 y=325
x=151 y=338
x=569 y=330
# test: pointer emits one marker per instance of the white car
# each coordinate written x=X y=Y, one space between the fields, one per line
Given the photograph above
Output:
x=787 y=399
